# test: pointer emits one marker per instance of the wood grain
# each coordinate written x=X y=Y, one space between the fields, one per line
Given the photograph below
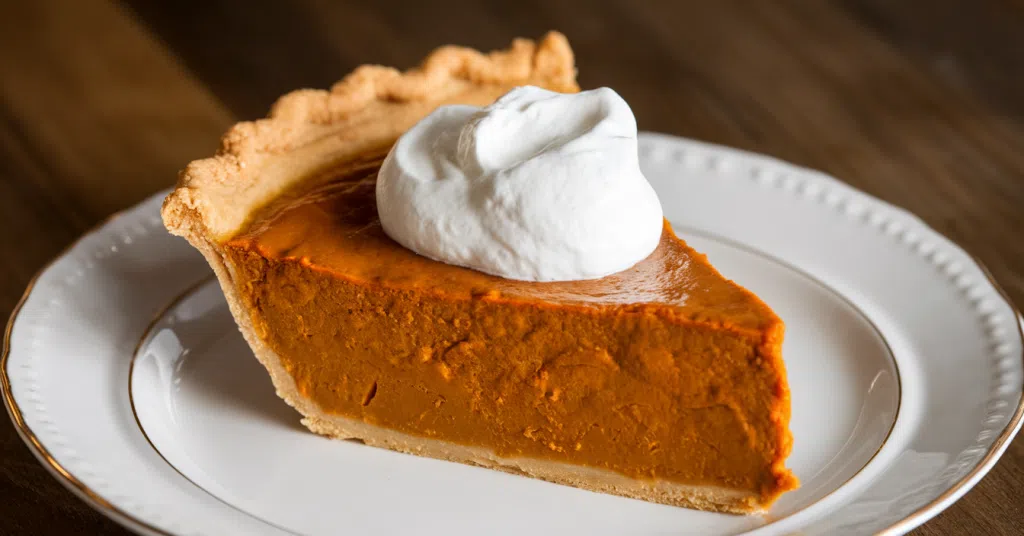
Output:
x=95 y=115
x=916 y=102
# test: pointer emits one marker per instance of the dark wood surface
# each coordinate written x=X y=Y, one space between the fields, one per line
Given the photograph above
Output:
x=918 y=102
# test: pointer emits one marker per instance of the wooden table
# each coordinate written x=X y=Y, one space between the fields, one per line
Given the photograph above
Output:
x=918 y=102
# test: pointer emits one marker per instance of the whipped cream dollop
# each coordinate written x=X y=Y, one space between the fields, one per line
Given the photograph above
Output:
x=539 y=186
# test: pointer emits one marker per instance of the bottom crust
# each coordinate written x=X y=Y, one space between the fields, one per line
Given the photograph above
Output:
x=701 y=497
x=713 y=498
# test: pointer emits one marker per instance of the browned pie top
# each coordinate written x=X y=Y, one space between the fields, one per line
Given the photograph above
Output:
x=333 y=227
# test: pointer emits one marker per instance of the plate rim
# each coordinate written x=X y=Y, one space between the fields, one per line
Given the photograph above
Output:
x=923 y=513
x=25 y=432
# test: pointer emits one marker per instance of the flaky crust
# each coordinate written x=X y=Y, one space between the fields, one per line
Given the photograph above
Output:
x=310 y=129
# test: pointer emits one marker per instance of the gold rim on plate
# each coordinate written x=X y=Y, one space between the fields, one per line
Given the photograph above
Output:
x=41 y=453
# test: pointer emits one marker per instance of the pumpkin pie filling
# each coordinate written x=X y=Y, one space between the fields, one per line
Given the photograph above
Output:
x=665 y=371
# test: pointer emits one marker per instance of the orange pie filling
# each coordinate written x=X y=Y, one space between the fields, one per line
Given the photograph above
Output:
x=665 y=371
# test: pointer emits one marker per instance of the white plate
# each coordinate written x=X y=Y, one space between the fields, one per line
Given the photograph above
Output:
x=127 y=378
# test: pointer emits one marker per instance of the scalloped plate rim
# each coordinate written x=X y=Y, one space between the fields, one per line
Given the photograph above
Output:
x=995 y=446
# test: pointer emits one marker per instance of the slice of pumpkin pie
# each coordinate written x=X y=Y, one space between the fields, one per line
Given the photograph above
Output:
x=660 y=380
